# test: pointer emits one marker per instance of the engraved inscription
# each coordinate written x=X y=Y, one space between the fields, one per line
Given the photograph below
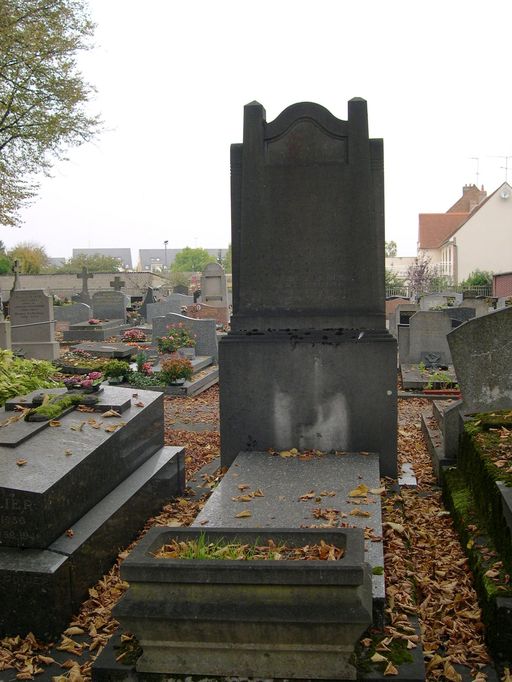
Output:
x=306 y=143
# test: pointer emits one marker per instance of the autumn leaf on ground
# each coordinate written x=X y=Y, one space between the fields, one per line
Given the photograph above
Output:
x=243 y=514
x=54 y=422
x=243 y=486
x=308 y=496
x=110 y=413
x=377 y=491
x=287 y=453
x=21 y=462
x=77 y=427
x=390 y=669
x=139 y=404
x=377 y=658
x=259 y=493
x=68 y=452
x=359 y=512
x=360 y=491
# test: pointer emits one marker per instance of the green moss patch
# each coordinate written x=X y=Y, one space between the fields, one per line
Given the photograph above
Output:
x=491 y=569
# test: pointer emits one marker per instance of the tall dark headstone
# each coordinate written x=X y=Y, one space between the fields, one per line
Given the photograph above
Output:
x=308 y=362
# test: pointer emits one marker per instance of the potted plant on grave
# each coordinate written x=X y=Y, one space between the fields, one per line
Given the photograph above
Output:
x=176 y=371
x=441 y=383
x=117 y=371
x=90 y=383
x=178 y=338
x=94 y=320
x=136 y=335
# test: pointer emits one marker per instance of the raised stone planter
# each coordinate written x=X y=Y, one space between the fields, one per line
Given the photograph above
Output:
x=279 y=619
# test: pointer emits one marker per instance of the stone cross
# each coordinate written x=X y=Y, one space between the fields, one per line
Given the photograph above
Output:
x=84 y=276
x=16 y=268
x=117 y=284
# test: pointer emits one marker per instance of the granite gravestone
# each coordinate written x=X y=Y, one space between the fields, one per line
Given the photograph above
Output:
x=214 y=289
x=482 y=356
x=308 y=362
x=203 y=331
x=102 y=477
x=74 y=313
x=32 y=324
x=109 y=305
x=425 y=337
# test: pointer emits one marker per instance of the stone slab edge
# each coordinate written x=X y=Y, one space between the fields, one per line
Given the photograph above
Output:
x=435 y=445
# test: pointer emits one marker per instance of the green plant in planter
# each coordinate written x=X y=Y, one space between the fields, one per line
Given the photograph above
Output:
x=176 y=368
x=441 y=379
x=116 y=369
x=178 y=336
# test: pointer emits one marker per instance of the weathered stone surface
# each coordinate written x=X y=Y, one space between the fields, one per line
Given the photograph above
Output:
x=35 y=498
x=204 y=332
x=74 y=313
x=235 y=617
x=5 y=334
x=41 y=589
x=305 y=390
x=32 y=324
x=93 y=332
x=200 y=311
x=107 y=350
x=482 y=356
x=110 y=305
x=298 y=196
x=308 y=344
x=214 y=290
x=283 y=480
x=425 y=335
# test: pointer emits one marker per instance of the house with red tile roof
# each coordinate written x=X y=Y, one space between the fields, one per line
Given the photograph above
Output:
x=474 y=234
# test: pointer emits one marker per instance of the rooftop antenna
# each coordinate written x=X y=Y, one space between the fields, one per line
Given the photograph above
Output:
x=505 y=167
x=477 y=159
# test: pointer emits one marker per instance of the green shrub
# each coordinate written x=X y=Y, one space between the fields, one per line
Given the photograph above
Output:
x=19 y=376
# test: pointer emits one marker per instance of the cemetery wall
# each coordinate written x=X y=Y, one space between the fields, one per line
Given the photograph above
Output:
x=66 y=285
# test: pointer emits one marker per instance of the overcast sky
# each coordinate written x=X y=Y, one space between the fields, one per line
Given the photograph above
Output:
x=172 y=77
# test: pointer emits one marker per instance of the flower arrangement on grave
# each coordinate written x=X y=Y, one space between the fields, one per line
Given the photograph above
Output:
x=89 y=383
x=134 y=335
x=117 y=368
x=175 y=369
x=94 y=320
x=178 y=336
x=83 y=360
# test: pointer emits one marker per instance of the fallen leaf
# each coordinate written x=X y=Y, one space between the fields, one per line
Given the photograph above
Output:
x=68 y=452
x=359 y=512
x=259 y=493
x=243 y=486
x=74 y=630
x=360 y=491
x=390 y=669
x=21 y=462
x=139 y=404
x=377 y=658
x=70 y=533
x=110 y=413
x=286 y=453
x=243 y=514
x=54 y=422
x=377 y=491
x=450 y=673
x=308 y=496
x=77 y=427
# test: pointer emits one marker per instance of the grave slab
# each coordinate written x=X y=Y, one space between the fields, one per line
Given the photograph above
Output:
x=96 y=332
x=41 y=589
x=107 y=350
x=35 y=498
x=283 y=480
